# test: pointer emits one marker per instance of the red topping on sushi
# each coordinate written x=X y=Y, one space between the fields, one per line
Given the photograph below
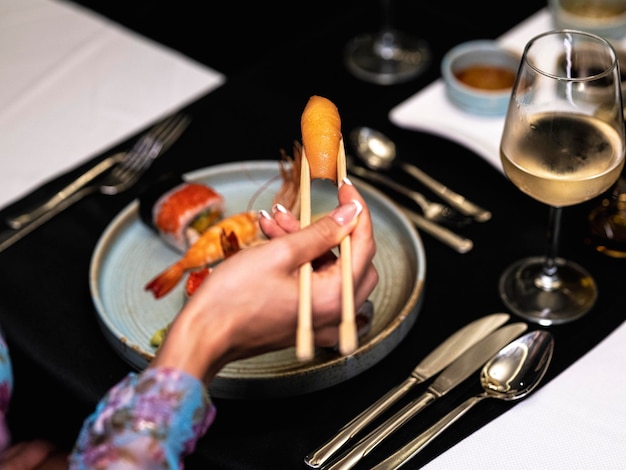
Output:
x=187 y=197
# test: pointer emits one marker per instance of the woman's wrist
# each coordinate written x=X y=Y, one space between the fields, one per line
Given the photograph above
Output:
x=193 y=346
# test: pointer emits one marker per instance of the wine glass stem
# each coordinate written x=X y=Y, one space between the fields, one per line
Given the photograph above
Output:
x=385 y=6
x=549 y=277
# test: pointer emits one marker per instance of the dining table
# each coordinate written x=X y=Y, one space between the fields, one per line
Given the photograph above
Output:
x=244 y=73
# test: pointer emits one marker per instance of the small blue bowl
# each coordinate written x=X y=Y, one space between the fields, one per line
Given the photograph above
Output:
x=479 y=76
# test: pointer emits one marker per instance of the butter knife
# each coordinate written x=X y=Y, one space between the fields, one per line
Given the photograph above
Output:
x=453 y=375
x=440 y=357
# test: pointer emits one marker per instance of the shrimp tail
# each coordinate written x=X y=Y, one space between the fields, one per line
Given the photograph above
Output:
x=166 y=281
x=289 y=193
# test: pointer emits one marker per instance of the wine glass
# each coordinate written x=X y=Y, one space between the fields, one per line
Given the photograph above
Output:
x=562 y=144
x=388 y=56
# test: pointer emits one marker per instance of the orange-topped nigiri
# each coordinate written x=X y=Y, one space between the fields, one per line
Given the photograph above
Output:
x=321 y=137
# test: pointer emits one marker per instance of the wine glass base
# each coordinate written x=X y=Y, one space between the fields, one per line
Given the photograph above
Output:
x=386 y=58
x=522 y=293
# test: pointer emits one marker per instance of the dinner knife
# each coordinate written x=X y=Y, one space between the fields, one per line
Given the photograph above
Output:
x=472 y=360
x=440 y=357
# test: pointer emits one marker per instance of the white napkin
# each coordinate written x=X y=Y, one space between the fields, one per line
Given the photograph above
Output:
x=74 y=83
x=576 y=421
x=429 y=110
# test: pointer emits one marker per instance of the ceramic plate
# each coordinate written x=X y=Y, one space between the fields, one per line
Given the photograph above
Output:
x=129 y=254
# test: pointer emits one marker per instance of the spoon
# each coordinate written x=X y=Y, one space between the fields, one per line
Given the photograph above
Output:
x=434 y=211
x=511 y=374
x=378 y=152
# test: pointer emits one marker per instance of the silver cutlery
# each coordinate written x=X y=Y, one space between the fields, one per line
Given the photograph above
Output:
x=103 y=182
x=127 y=168
x=378 y=152
x=439 y=358
x=455 y=241
x=10 y=236
x=434 y=211
x=514 y=372
x=452 y=376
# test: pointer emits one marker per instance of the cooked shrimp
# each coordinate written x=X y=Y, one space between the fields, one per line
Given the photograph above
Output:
x=208 y=250
x=289 y=193
x=230 y=245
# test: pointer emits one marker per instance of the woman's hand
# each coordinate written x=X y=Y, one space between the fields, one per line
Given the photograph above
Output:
x=248 y=304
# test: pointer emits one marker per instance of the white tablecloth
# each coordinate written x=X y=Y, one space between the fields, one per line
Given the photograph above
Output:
x=73 y=83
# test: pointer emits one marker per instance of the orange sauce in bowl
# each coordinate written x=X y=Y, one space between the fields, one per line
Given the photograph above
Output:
x=486 y=77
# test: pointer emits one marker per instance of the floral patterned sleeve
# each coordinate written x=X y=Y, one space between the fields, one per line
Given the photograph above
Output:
x=149 y=420
x=6 y=390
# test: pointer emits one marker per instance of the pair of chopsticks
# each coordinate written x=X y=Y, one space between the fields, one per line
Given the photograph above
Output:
x=347 y=329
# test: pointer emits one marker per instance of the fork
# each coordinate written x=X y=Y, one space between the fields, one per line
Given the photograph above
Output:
x=154 y=146
x=432 y=210
x=427 y=222
x=126 y=169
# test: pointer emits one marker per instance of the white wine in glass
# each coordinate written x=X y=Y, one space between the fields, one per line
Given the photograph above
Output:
x=388 y=56
x=562 y=144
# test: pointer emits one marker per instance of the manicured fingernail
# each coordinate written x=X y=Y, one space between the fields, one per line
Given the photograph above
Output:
x=347 y=181
x=346 y=213
x=278 y=208
x=263 y=213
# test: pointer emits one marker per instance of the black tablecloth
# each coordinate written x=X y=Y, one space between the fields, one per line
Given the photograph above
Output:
x=275 y=58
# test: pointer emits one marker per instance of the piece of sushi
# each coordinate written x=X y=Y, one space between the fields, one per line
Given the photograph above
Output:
x=180 y=211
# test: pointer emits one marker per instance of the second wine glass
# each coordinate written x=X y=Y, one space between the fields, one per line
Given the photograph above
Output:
x=388 y=56
x=562 y=144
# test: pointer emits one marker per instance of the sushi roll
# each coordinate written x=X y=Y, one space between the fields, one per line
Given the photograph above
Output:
x=180 y=211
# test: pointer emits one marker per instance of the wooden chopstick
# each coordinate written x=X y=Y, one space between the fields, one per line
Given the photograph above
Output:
x=348 y=338
x=304 y=333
